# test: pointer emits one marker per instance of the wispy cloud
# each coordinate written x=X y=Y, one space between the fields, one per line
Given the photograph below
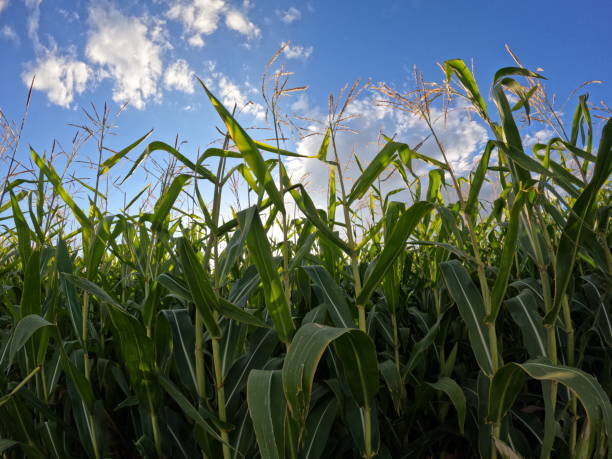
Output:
x=3 y=5
x=232 y=93
x=238 y=21
x=33 y=21
x=297 y=52
x=9 y=33
x=58 y=73
x=69 y=15
x=290 y=15
x=60 y=76
x=179 y=76
x=541 y=136
x=127 y=50
x=461 y=136
x=202 y=17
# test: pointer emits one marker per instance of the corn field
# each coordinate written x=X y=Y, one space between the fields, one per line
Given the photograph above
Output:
x=443 y=326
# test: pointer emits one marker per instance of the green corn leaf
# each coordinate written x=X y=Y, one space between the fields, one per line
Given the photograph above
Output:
x=322 y=155
x=267 y=407
x=82 y=385
x=318 y=428
x=332 y=200
x=305 y=247
x=23 y=332
x=202 y=294
x=19 y=196
x=248 y=149
x=524 y=311
x=280 y=151
x=458 y=67
x=332 y=296
x=355 y=349
x=305 y=204
x=233 y=344
x=6 y=444
x=450 y=387
x=471 y=307
x=374 y=169
x=471 y=205
x=507 y=256
x=418 y=350
x=393 y=380
x=94 y=289
x=200 y=170
x=23 y=230
x=581 y=214
x=233 y=312
x=394 y=246
x=262 y=344
x=512 y=138
x=114 y=159
x=603 y=319
x=166 y=201
x=30 y=298
x=200 y=417
x=392 y=279
x=582 y=114
x=56 y=181
x=183 y=339
x=234 y=249
x=64 y=265
x=434 y=186
x=520 y=71
x=276 y=303
x=526 y=163
x=136 y=347
x=509 y=380
x=406 y=154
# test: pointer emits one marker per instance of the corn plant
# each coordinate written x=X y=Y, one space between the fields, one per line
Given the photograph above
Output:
x=448 y=325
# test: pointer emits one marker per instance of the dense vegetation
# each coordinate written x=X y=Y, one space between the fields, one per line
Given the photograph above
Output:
x=429 y=329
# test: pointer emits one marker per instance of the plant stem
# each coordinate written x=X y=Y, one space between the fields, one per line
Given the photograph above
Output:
x=367 y=428
x=155 y=427
x=569 y=329
x=16 y=389
x=357 y=280
x=85 y=313
x=213 y=248
x=349 y=235
x=396 y=343
x=199 y=356
x=220 y=395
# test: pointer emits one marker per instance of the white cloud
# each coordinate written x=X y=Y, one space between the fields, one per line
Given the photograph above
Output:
x=290 y=15
x=33 y=22
x=462 y=138
x=129 y=51
x=9 y=33
x=3 y=4
x=69 y=15
x=59 y=74
x=179 y=76
x=202 y=17
x=196 y=41
x=541 y=136
x=237 y=21
x=230 y=93
x=61 y=77
x=297 y=52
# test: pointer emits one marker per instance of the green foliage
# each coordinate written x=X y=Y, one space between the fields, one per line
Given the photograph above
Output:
x=463 y=323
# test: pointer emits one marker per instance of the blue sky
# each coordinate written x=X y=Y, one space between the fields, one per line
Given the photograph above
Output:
x=145 y=53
